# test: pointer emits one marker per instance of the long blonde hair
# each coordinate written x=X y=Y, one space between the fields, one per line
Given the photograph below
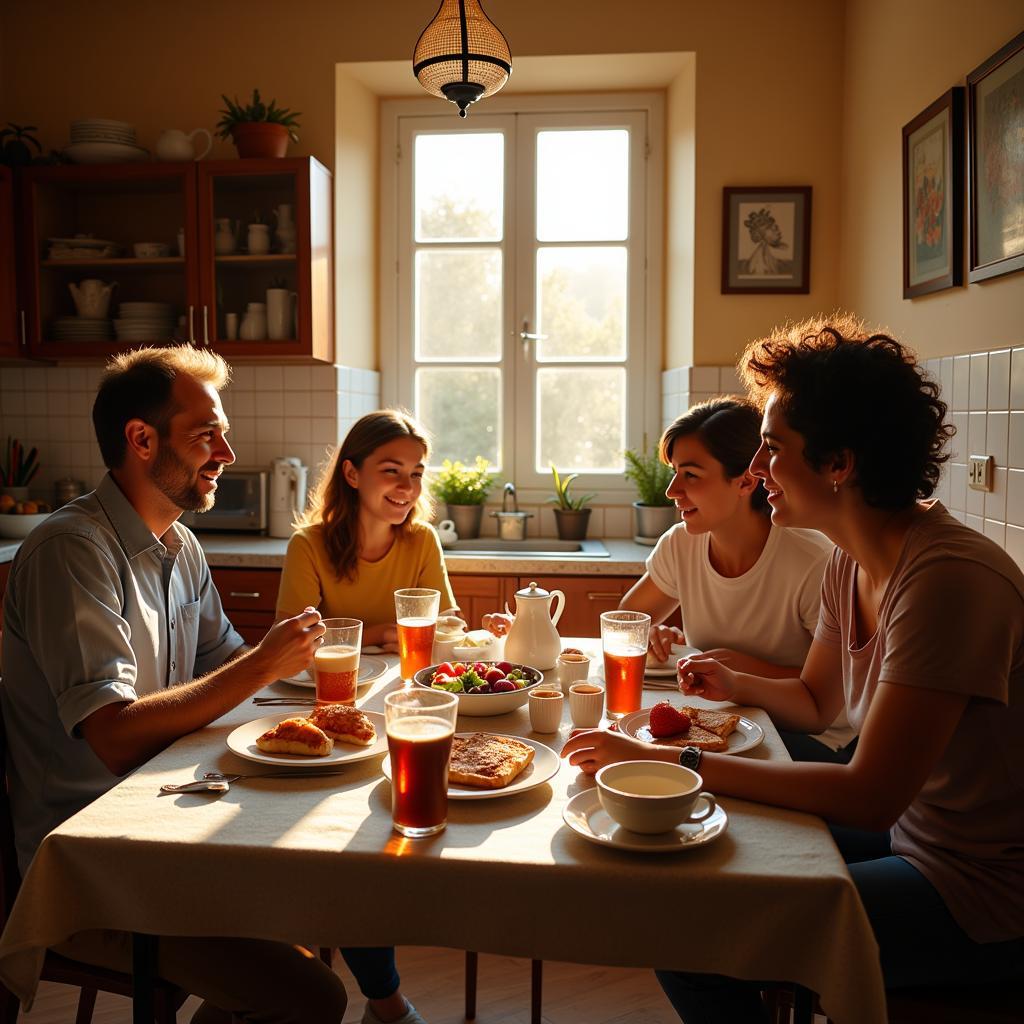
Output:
x=334 y=504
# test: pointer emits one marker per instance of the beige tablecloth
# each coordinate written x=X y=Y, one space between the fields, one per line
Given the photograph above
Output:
x=315 y=860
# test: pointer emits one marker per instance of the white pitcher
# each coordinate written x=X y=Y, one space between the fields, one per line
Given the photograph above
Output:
x=92 y=298
x=225 y=236
x=254 y=323
x=532 y=639
x=175 y=144
x=285 y=231
x=279 y=314
x=259 y=239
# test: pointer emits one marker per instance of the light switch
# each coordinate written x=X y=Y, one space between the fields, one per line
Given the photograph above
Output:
x=979 y=472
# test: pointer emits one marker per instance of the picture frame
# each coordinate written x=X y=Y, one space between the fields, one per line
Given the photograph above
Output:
x=766 y=240
x=995 y=156
x=933 y=197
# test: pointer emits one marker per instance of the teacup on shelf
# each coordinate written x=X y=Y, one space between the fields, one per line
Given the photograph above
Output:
x=150 y=250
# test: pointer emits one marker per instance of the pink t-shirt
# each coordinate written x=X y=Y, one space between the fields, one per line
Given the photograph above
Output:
x=951 y=619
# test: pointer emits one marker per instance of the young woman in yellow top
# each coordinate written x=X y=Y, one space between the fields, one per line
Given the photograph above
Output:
x=365 y=534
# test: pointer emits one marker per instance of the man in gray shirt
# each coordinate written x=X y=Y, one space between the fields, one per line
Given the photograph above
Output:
x=115 y=645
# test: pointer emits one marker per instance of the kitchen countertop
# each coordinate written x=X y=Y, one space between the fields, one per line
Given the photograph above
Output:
x=625 y=558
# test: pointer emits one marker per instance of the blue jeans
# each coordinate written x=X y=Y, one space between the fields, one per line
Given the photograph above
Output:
x=374 y=969
x=919 y=942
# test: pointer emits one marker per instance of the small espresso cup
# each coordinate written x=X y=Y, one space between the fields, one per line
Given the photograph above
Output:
x=571 y=668
x=586 y=702
x=546 y=709
x=653 y=796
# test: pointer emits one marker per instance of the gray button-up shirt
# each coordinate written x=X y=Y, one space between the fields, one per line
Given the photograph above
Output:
x=98 y=611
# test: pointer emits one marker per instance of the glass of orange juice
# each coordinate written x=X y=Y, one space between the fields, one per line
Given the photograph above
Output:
x=336 y=662
x=624 y=642
x=416 y=611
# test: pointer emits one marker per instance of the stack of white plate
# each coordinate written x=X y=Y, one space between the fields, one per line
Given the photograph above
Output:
x=79 y=328
x=145 y=321
x=101 y=129
x=98 y=140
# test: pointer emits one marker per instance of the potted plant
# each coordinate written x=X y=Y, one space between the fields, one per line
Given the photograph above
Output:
x=257 y=129
x=464 y=489
x=571 y=515
x=655 y=512
x=14 y=144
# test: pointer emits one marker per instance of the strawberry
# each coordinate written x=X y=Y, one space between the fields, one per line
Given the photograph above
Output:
x=668 y=721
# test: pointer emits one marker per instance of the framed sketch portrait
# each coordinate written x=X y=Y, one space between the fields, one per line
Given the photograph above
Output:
x=995 y=163
x=766 y=240
x=933 y=197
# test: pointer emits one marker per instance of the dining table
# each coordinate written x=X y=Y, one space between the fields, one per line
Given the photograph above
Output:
x=314 y=859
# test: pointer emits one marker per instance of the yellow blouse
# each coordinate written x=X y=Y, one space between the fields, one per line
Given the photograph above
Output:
x=309 y=579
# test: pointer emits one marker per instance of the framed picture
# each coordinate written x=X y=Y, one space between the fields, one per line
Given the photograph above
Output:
x=995 y=131
x=933 y=197
x=766 y=240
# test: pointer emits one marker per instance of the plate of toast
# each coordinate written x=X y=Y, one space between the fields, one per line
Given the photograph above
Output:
x=681 y=725
x=667 y=669
x=486 y=765
x=369 y=669
x=330 y=734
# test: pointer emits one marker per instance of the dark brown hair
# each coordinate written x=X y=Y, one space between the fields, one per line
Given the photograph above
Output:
x=334 y=504
x=844 y=389
x=730 y=429
x=138 y=385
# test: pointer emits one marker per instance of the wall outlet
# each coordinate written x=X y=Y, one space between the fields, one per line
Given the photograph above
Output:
x=979 y=472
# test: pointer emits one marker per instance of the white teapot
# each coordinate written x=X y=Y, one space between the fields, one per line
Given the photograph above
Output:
x=532 y=638
x=446 y=532
x=92 y=297
x=175 y=144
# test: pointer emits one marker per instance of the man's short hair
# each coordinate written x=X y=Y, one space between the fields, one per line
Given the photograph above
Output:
x=139 y=384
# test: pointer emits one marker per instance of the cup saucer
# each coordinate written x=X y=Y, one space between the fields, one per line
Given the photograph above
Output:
x=585 y=815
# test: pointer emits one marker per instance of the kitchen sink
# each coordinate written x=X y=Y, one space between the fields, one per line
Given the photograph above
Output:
x=542 y=547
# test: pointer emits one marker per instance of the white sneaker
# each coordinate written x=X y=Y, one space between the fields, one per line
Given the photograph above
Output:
x=411 y=1016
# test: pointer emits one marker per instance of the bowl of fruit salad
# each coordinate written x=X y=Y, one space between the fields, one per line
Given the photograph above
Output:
x=483 y=687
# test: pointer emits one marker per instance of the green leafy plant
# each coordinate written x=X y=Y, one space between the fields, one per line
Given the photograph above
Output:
x=457 y=484
x=14 y=144
x=236 y=113
x=562 y=498
x=649 y=474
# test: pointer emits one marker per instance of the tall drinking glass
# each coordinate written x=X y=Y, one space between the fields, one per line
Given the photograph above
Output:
x=420 y=724
x=624 y=642
x=416 y=611
x=336 y=662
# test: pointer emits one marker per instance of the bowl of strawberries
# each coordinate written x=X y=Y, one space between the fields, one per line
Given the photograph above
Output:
x=483 y=688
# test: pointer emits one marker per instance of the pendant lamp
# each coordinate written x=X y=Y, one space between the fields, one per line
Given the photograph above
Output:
x=461 y=55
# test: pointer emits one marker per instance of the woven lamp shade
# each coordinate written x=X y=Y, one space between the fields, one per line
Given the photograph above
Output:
x=461 y=55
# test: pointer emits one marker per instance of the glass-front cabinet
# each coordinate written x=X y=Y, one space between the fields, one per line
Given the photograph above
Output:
x=233 y=254
x=12 y=332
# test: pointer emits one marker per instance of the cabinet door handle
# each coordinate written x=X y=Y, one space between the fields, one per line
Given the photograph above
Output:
x=244 y=593
x=24 y=333
x=191 y=325
x=598 y=595
x=206 y=326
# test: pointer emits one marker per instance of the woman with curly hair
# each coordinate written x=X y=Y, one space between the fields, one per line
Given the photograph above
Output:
x=922 y=630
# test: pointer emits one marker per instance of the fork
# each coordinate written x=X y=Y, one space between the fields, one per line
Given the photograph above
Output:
x=283 y=702
x=218 y=782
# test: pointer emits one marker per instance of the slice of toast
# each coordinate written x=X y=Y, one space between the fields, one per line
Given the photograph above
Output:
x=721 y=723
x=296 y=736
x=695 y=736
x=491 y=762
x=344 y=724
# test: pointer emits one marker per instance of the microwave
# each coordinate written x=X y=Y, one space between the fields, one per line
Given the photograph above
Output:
x=241 y=504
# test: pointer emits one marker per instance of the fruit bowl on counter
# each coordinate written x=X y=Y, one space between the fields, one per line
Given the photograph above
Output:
x=483 y=704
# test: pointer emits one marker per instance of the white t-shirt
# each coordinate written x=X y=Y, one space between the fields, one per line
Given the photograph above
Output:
x=770 y=612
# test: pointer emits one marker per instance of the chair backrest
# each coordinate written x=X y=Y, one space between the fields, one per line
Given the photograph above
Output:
x=10 y=875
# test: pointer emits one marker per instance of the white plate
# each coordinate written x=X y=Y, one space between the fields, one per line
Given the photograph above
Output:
x=744 y=737
x=369 y=669
x=104 y=153
x=544 y=765
x=242 y=741
x=585 y=815
x=678 y=651
x=82 y=243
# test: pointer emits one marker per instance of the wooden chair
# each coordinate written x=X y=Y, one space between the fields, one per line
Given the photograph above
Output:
x=536 y=985
x=56 y=968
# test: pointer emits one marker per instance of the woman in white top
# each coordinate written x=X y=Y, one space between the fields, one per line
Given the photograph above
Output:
x=749 y=592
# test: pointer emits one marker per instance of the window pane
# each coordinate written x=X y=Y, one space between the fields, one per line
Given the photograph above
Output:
x=459 y=185
x=458 y=304
x=581 y=303
x=582 y=185
x=461 y=407
x=581 y=419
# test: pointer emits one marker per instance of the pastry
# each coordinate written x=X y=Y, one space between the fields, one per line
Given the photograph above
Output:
x=296 y=736
x=344 y=724
x=482 y=759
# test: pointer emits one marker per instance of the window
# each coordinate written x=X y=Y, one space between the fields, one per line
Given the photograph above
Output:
x=521 y=289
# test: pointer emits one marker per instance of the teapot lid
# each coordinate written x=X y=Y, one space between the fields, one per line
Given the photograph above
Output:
x=533 y=591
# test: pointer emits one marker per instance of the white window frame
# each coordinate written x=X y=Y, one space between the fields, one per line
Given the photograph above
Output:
x=645 y=311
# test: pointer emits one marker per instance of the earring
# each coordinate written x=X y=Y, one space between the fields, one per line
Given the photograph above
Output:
x=835 y=486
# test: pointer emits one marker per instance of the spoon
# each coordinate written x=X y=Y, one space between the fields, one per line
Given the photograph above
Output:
x=218 y=782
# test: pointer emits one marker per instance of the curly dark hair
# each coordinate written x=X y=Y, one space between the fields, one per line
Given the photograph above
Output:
x=843 y=388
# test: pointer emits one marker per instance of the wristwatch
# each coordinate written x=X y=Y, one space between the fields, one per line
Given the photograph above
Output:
x=689 y=757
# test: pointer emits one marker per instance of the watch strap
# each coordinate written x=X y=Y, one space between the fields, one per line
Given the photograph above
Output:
x=689 y=757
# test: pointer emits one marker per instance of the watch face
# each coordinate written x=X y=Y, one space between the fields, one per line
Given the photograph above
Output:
x=690 y=757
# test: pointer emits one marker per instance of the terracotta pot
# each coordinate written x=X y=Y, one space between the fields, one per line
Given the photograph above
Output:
x=572 y=524
x=260 y=139
x=467 y=519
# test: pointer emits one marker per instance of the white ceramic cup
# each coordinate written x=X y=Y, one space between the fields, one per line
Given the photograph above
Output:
x=571 y=668
x=231 y=325
x=652 y=796
x=586 y=703
x=546 y=705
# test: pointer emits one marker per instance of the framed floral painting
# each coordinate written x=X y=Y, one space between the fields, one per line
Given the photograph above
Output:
x=766 y=240
x=995 y=163
x=933 y=197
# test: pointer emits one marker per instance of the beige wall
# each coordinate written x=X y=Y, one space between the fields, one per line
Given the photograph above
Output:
x=768 y=87
x=899 y=58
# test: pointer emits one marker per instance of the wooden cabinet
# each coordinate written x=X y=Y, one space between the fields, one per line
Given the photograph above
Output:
x=585 y=598
x=12 y=334
x=129 y=203
x=478 y=595
x=249 y=597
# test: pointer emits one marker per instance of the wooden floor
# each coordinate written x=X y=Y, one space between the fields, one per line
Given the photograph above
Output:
x=433 y=980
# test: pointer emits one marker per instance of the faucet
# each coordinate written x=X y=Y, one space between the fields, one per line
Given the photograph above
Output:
x=509 y=496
